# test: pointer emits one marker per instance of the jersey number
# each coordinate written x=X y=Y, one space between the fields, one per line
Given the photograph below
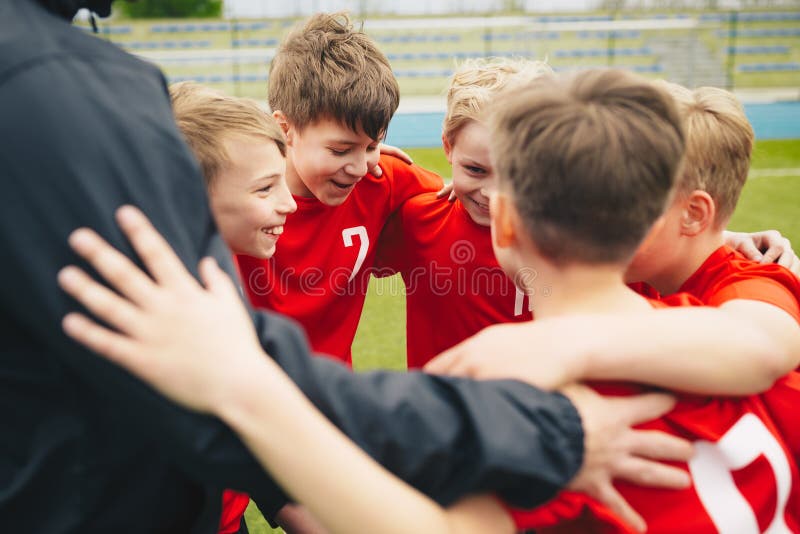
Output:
x=347 y=237
x=711 y=470
x=519 y=302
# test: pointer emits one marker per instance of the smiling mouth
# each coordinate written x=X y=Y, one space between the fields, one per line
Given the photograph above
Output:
x=482 y=207
x=344 y=186
x=274 y=231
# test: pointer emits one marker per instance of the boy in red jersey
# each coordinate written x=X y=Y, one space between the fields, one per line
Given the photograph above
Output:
x=444 y=249
x=573 y=214
x=688 y=253
x=333 y=93
x=241 y=151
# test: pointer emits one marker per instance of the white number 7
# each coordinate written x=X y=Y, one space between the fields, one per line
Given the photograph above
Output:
x=347 y=237
x=519 y=301
x=711 y=470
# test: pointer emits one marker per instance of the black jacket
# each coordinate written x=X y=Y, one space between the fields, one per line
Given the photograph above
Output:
x=84 y=447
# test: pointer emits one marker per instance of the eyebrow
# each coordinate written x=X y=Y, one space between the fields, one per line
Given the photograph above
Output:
x=471 y=161
x=273 y=176
x=350 y=143
x=343 y=142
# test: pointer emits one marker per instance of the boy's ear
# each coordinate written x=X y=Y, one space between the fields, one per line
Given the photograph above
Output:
x=699 y=212
x=502 y=214
x=448 y=149
x=283 y=122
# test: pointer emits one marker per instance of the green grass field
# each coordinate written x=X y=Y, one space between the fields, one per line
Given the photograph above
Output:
x=766 y=202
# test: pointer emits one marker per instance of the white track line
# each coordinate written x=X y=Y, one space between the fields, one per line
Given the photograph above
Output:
x=773 y=173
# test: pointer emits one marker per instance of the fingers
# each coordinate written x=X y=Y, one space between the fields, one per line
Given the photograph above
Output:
x=452 y=197
x=101 y=340
x=115 y=267
x=609 y=496
x=402 y=155
x=377 y=172
x=777 y=250
x=642 y=408
x=446 y=191
x=394 y=151
x=652 y=474
x=660 y=446
x=787 y=258
x=215 y=279
x=444 y=362
x=156 y=254
x=748 y=248
x=99 y=300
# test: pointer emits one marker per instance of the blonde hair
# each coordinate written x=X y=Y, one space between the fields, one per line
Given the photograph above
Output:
x=719 y=142
x=326 y=69
x=477 y=82
x=208 y=118
x=590 y=159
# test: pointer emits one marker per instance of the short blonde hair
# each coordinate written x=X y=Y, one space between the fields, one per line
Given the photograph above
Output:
x=477 y=82
x=327 y=69
x=719 y=142
x=208 y=118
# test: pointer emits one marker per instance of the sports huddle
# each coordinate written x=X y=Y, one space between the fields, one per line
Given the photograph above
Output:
x=589 y=350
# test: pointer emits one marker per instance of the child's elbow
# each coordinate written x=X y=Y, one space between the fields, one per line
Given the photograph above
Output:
x=778 y=360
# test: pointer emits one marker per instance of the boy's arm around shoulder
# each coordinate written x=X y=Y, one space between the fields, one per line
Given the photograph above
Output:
x=696 y=350
x=766 y=296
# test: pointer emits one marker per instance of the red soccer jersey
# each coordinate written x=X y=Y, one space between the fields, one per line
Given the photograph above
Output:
x=744 y=477
x=320 y=272
x=727 y=275
x=454 y=286
x=234 y=505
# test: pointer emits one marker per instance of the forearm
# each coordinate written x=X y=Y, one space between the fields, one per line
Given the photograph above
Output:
x=695 y=350
x=317 y=464
x=447 y=437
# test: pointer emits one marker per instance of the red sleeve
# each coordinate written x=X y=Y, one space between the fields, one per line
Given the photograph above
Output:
x=677 y=300
x=783 y=293
x=570 y=512
x=234 y=505
x=407 y=180
x=782 y=401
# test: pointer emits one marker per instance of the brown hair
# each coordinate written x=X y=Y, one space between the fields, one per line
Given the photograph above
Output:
x=719 y=142
x=590 y=160
x=326 y=69
x=475 y=84
x=208 y=118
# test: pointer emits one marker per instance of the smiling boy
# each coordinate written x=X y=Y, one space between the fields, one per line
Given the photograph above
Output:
x=333 y=93
x=242 y=153
x=444 y=249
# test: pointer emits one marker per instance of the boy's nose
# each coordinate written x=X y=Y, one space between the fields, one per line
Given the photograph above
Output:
x=286 y=204
x=290 y=206
x=358 y=166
